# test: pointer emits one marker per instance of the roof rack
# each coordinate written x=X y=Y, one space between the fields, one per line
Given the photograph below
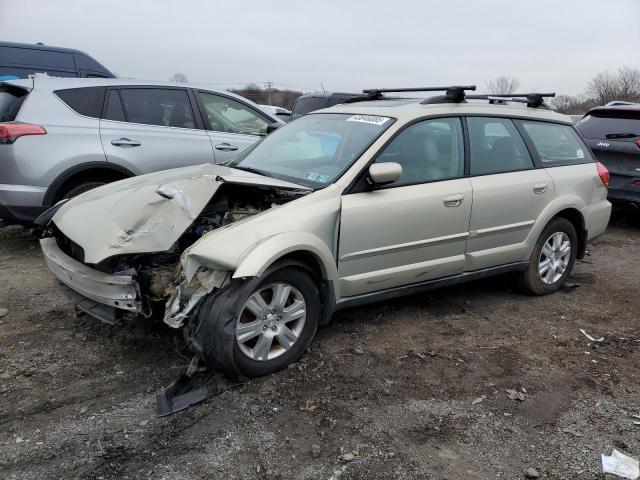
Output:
x=533 y=100
x=453 y=93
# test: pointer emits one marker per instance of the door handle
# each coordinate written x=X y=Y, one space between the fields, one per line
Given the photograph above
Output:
x=540 y=187
x=125 y=142
x=454 y=200
x=226 y=147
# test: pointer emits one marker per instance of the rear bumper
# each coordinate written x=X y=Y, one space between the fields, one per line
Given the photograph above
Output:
x=21 y=203
x=623 y=190
x=97 y=293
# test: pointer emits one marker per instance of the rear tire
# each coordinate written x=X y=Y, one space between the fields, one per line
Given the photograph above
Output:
x=81 y=188
x=552 y=258
x=234 y=331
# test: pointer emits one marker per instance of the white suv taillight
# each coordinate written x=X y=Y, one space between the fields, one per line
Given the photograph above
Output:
x=9 y=132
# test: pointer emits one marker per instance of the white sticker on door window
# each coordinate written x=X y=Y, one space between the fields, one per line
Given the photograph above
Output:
x=372 y=119
x=580 y=153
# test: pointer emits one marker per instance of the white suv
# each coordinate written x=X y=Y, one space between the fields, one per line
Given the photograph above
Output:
x=60 y=137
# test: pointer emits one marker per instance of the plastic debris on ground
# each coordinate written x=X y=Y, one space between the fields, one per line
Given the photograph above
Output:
x=621 y=465
x=601 y=339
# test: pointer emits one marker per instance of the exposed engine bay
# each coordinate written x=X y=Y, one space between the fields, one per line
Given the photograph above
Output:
x=164 y=291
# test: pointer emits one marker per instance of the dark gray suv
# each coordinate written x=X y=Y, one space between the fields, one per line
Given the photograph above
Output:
x=613 y=133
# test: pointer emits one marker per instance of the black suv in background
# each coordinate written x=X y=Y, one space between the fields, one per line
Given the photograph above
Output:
x=23 y=59
x=315 y=101
x=613 y=133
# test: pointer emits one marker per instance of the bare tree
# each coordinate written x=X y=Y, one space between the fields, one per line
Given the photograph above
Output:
x=503 y=85
x=178 y=78
x=572 y=105
x=606 y=87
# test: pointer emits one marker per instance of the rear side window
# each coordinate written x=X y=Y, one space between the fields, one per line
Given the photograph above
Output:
x=556 y=144
x=114 y=110
x=11 y=99
x=85 y=101
x=610 y=125
x=496 y=146
x=158 y=106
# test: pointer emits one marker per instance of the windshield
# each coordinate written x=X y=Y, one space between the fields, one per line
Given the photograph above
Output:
x=315 y=149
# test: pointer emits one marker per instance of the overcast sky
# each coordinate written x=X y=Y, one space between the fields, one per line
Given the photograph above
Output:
x=555 y=45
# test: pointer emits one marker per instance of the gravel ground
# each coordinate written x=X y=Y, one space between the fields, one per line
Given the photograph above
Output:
x=410 y=389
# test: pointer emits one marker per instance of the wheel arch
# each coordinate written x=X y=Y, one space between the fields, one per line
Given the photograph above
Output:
x=577 y=220
x=108 y=170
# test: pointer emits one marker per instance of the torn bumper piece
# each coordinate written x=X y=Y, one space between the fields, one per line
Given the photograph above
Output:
x=96 y=293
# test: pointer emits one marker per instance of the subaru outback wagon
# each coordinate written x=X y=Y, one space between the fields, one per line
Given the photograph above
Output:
x=60 y=137
x=353 y=204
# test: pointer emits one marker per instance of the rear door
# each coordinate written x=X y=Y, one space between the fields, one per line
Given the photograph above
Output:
x=613 y=135
x=509 y=193
x=232 y=125
x=146 y=129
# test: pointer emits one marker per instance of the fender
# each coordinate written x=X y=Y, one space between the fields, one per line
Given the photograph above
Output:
x=258 y=257
x=67 y=174
x=557 y=205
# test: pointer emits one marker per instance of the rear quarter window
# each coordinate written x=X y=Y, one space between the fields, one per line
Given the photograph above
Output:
x=85 y=101
x=556 y=144
x=11 y=99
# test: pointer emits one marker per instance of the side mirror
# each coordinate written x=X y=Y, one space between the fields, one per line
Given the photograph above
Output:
x=384 y=173
x=272 y=127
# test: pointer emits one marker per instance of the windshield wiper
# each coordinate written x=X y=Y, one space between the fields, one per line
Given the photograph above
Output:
x=621 y=135
x=251 y=170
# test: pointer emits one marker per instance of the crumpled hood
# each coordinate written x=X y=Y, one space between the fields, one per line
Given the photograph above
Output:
x=147 y=213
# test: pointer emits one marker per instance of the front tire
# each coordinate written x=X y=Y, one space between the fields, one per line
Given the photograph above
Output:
x=552 y=259
x=257 y=326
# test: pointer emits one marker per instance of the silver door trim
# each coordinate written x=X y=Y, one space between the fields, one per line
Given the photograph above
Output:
x=501 y=228
x=403 y=246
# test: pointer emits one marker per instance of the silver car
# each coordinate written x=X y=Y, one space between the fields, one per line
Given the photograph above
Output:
x=357 y=203
x=60 y=137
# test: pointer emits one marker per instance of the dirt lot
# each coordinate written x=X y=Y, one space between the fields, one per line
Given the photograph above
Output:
x=77 y=397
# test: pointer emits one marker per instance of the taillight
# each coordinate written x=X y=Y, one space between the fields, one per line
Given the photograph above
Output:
x=9 y=132
x=604 y=174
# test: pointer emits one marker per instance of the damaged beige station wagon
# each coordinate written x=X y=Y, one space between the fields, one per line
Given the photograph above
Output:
x=357 y=203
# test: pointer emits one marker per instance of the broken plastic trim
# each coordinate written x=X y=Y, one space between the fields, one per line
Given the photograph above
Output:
x=190 y=292
x=195 y=386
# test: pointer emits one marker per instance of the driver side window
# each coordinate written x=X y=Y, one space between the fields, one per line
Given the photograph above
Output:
x=231 y=116
x=428 y=151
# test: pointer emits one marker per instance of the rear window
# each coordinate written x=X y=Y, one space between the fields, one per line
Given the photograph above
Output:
x=11 y=99
x=158 y=106
x=610 y=125
x=309 y=104
x=85 y=101
x=556 y=144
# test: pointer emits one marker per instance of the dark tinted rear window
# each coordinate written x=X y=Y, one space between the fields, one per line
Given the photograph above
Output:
x=85 y=101
x=610 y=124
x=11 y=99
x=309 y=104
x=158 y=106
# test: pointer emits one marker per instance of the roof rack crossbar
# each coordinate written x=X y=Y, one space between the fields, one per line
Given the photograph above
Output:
x=453 y=92
x=533 y=100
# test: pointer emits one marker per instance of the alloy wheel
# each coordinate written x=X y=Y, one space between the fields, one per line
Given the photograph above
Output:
x=271 y=321
x=554 y=257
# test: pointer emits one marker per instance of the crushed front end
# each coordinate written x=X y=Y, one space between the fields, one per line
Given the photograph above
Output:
x=154 y=284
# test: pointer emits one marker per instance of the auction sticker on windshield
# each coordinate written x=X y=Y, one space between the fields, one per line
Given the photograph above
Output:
x=372 y=119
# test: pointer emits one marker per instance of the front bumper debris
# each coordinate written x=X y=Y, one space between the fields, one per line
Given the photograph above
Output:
x=89 y=288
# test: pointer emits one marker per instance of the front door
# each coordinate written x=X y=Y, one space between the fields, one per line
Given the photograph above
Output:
x=415 y=229
x=231 y=124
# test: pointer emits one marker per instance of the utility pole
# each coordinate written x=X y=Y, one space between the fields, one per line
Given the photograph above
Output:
x=269 y=92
